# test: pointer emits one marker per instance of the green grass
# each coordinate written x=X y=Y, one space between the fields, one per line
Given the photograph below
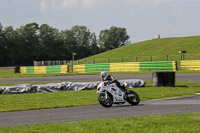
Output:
x=32 y=83
x=10 y=74
x=29 y=101
x=15 y=102
x=176 y=123
x=157 y=48
x=6 y=68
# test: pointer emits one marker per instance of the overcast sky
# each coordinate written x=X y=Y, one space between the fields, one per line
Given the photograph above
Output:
x=143 y=19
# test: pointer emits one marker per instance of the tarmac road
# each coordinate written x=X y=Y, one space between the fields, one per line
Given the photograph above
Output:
x=58 y=115
x=74 y=78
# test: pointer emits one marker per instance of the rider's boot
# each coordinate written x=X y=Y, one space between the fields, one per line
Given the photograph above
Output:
x=125 y=90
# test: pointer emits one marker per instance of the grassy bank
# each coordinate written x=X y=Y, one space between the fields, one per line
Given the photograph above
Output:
x=179 y=123
x=14 y=102
x=158 y=48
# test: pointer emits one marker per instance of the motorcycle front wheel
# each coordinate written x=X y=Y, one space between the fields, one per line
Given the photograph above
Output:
x=133 y=98
x=105 y=102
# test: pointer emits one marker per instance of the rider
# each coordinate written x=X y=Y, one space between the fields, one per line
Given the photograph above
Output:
x=111 y=79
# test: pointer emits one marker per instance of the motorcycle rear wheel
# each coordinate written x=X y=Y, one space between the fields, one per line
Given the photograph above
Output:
x=105 y=102
x=133 y=100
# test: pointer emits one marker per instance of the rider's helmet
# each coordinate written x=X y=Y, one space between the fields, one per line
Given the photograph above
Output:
x=104 y=75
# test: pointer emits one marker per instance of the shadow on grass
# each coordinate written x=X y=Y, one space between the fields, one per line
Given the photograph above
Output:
x=187 y=86
x=181 y=86
x=170 y=86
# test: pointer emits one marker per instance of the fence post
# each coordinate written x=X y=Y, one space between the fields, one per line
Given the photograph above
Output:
x=122 y=60
x=34 y=62
x=150 y=58
x=85 y=61
x=71 y=65
x=64 y=62
x=93 y=61
x=108 y=60
x=49 y=63
x=135 y=58
x=182 y=55
x=42 y=63
x=167 y=58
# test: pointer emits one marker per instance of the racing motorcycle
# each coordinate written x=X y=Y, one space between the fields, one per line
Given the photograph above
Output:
x=111 y=94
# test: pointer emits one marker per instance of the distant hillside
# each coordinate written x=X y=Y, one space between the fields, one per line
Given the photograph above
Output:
x=158 y=48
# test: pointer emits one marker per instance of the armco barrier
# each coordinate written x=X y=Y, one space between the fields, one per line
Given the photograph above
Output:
x=126 y=67
x=79 y=68
x=40 y=69
x=64 y=69
x=97 y=67
x=53 y=69
x=160 y=65
x=30 y=70
x=44 y=69
x=23 y=70
x=190 y=65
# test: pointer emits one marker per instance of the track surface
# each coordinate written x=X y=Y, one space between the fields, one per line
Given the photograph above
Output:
x=153 y=107
x=179 y=77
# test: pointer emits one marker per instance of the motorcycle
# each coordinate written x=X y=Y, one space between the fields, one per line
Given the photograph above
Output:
x=110 y=94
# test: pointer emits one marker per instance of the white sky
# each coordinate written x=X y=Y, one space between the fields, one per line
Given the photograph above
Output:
x=143 y=19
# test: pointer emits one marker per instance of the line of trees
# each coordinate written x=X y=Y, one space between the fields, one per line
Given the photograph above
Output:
x=22 y=46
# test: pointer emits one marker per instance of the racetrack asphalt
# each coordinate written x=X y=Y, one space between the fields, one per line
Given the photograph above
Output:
x=58 y=115
x=85 y=78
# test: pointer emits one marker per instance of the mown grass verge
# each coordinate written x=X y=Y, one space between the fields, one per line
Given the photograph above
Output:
x=11 y=74
x=176 y=123
x=29 y=101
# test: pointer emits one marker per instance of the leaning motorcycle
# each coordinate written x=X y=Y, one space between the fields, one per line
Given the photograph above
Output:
x=110 y=94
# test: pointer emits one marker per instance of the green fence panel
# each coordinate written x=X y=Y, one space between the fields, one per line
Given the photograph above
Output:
x=30 y=70
x=53 y=69
x=144 y=66
x=97 y=67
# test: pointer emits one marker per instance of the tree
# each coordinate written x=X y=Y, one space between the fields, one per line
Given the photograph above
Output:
x=33 y=42
x=78 y=41
x=28 y=42
x=69 y=43
x=94 y=49
x=50 y=43
x=113 y=38
x=9 y=45
x=2 y=47
x=1 y=28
